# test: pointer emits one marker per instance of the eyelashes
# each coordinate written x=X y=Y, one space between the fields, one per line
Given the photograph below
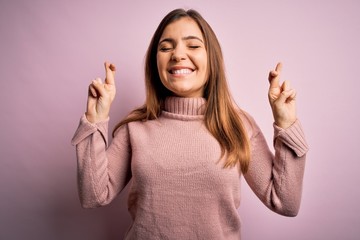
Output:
x=164 y=49
x=167 y=49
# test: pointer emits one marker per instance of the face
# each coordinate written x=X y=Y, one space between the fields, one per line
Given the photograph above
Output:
x=182 y=58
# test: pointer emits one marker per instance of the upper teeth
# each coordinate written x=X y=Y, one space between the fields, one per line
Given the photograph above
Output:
x=182 y=71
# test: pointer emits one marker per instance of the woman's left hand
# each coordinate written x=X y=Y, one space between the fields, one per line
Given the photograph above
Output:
x=282 y=99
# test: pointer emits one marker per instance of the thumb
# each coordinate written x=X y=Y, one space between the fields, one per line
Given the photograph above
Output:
x=98 y=86
x=285 y=86
x=287 y=96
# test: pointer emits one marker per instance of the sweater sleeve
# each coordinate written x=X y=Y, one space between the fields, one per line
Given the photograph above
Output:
x=102 y=171
x=277 y=178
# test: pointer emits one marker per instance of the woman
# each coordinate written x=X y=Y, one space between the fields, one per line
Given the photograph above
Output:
x=187 y=147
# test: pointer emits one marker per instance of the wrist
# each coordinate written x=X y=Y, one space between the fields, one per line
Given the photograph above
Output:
x=95 y=119
x=284 y=124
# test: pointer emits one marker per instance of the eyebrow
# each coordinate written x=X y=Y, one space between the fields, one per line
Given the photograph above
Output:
x=184 y=38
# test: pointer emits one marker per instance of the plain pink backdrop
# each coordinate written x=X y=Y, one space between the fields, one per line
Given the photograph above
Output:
x=51 y=50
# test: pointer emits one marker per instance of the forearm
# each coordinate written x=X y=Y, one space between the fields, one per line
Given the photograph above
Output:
x=92 y=171
x=277 y=180
x=101 y=173
x=288 y=171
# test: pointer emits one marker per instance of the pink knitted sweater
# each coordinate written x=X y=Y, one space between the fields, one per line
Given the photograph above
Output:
x=178 y=189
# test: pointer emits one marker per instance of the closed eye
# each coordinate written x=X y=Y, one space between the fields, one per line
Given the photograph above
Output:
x=165 y=49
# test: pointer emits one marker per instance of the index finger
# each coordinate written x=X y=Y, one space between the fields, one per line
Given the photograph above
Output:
x=110 y=73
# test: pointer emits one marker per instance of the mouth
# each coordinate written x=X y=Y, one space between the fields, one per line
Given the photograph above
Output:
x=180 y=71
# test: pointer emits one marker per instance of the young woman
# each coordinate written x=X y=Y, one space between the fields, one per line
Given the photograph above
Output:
x=186 y=148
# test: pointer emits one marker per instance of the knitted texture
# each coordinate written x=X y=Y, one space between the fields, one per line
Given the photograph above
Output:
x=179 y=189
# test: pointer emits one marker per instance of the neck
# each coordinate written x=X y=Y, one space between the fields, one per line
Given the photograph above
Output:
x=185 y=106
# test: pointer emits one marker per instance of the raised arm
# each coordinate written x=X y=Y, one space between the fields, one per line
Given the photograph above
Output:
x=277 y=178
x=102 y=171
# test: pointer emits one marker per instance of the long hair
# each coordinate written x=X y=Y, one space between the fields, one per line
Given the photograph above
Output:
x=221 y=116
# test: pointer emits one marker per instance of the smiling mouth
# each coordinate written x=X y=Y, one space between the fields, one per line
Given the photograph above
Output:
x=183 y=71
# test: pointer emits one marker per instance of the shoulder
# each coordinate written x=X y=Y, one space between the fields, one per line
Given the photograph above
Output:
x=248 y=122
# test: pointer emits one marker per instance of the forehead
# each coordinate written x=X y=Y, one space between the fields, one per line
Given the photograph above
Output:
x=182 y=27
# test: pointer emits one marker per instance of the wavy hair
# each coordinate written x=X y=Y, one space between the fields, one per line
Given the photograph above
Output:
x=221 y=115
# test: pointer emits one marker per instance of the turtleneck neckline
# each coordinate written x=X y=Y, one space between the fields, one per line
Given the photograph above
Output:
x=185 y=106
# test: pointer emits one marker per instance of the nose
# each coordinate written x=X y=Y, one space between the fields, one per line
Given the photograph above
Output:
x=179 y=54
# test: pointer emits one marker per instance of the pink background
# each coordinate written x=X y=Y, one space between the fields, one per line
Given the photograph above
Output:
x=51 y=50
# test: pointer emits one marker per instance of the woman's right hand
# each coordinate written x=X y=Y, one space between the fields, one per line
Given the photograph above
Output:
x=101 y=95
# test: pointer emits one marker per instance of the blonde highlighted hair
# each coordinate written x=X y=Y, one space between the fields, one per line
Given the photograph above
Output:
x=221 y=116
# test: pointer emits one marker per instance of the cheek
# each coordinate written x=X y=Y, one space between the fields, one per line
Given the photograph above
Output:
x=202 y=60
x=206 y=69
x=161 y=68
x=161 y=65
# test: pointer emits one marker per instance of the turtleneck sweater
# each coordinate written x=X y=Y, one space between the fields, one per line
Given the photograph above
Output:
x=178 y=187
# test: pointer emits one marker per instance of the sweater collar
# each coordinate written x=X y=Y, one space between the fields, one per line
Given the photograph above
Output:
x=185 y=106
